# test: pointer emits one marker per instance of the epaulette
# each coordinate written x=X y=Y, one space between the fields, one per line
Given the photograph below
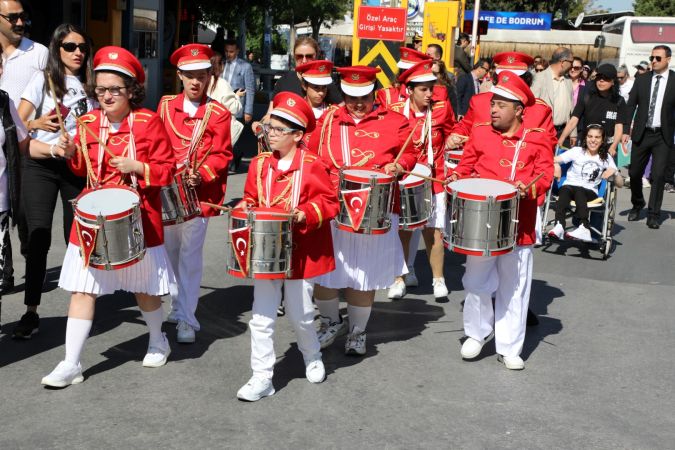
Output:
x=396 y=106
x=438 y=105
x=167 y=98
x=482 y=124
x=264 y=155
x=540 y=101
x=142 y=117
x=88 y=118
x=217 y=105
x=309 y=157
x=538 y=130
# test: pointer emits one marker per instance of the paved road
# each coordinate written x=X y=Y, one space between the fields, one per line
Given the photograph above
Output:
x=599 y=368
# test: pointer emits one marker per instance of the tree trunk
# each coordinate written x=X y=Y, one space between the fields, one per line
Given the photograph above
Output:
x=316 y=26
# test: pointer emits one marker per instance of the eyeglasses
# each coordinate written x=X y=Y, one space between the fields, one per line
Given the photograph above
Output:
x=307 y=56
x=653 y=58
x=269 y=129
x=577 y=68
x=620 y=78
x=70 y=47
x=114 y=90
x=13 y=18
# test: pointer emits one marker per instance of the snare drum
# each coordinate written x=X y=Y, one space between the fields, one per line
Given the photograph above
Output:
x=271 y=242
x=483 y=217
x=376 y=218
x=179 y=201
x=416 y=199
x=452 y=158
x=116 y=214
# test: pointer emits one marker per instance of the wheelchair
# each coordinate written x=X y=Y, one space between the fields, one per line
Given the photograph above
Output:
x=602 y=211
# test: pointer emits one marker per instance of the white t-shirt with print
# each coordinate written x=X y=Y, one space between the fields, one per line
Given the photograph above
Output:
x=75 y=99
x=21 y=134
x=586 y=170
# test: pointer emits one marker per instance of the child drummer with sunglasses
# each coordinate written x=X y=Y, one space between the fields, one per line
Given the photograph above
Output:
x=297 y=182
x=199 y=130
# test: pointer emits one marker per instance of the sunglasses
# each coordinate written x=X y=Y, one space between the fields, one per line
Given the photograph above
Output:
x=13 y=18
x=655 y=58
x=308 y=56
x=577 y=67
x=70 y=47
x=620 y=78
x=602 y=78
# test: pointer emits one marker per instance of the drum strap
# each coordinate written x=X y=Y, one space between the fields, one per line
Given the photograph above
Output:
x=294 y=187
x=104 y=132
x=514 y=163
x=344 y=143
x=426 y=131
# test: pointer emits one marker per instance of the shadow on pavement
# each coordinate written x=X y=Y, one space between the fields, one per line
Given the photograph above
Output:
x=541 y=296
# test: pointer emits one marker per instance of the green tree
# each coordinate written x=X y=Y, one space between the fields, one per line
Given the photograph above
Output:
x=654 y=7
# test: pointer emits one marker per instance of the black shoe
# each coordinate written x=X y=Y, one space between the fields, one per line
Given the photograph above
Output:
x=532 y=320
x=634 y=214
x=7 y=286
x=653 y=223
x=28 y=326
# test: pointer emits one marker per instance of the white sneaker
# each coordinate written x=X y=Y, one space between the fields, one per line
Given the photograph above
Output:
x=512 y=362
x=581 y=234
x=440 y=290
x=63 y=375
x=471 y=347
x=315 y=370
x=157 y=353
x=185 y=333
x=255 y=389
x=329 y=331
x=558 y=232
x=397 y=290
x=645 y=182
x=173 y=316
x=356 y=342
x=411 y=278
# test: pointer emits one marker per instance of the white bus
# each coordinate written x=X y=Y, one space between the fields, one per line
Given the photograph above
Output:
x=636 y=36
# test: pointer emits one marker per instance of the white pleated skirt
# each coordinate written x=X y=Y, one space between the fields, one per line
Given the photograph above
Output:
x=438 y=219
x=365 y=262
x=152 y=275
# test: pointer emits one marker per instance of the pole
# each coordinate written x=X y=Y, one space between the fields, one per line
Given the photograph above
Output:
x=474 y=28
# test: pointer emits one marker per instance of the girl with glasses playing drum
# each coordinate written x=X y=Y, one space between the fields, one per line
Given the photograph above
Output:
x=358 y=141
x=432 y=121
x=119 y=145
x=289 y=181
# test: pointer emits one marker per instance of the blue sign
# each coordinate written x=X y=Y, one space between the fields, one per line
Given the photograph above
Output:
x=513 y=20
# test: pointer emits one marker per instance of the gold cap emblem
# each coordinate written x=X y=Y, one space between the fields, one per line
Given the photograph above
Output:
x=510 y=59
x=290 y=102
x=322 y=68
x=505 y=78
x=194 y=51
x=356 y=77
x=113 y=55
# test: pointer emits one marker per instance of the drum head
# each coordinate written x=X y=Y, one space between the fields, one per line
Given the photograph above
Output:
x=106 y=202
x=364 y=175
x=420 y=169
x=454 y=154
x=482 y=187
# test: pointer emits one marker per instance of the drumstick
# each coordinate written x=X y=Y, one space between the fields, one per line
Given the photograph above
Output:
x=537 y=178
x=95 y=136
x=214 y=206
x=405 y=144
x=199 y=164
x=424 y=177
x=56 y=104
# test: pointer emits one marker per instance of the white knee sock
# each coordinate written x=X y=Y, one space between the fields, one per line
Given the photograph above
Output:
x=153 y=320
x=358 y=316
x=77 y=332
x=329 y=308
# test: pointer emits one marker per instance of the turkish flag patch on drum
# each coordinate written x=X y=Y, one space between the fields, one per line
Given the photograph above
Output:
x=87 y=237
x=241 y=240
x=356 y=202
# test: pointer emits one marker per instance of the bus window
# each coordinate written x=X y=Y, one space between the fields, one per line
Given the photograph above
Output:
x=660 y=33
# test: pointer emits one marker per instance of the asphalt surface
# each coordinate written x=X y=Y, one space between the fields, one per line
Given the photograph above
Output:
x=599 y=367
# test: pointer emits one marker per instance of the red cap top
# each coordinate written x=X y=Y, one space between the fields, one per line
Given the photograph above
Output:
x=410 y=57
x=294 y=108
x=118 y=59
x=192 y=57
x=515 y=62
x=511 y=86
x=418 y=73
x=316 y=72
x=358 y=80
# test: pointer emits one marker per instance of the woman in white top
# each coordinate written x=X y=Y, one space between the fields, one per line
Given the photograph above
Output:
x=46 y=173
x=221 y=91
x=591 y=164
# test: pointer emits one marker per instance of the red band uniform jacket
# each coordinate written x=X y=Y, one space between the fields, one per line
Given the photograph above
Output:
x=371 y=144
x=268 y=186
x=152 y=149
x=490 y=154
x=214 y=150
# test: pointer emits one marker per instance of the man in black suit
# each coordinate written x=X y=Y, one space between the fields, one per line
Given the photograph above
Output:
x=468 y=84
x=653 y=94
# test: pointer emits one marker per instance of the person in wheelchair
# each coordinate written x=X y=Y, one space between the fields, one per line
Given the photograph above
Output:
x=590 y=164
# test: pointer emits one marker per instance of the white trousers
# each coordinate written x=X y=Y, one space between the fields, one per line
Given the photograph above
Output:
x=184 y=243
x=300 y=311
x=510 y=276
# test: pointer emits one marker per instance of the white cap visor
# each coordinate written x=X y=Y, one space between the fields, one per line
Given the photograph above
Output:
x=516 y=71
x=289 y=117
x=423 y=78
x=357 y=91
x=319 y=81
x=503 y=93
x=114 y=68
x=404 y=65
x=200 y=65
